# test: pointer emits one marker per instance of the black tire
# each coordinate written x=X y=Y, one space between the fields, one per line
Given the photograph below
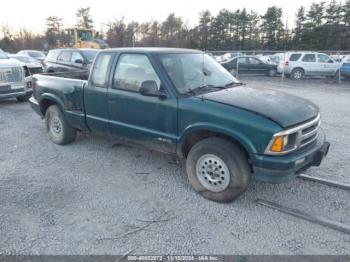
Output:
x=272 y=72
x=234 y=159
x=57 y=127
x=337 y=75
x=297 y=74
x=23 y=98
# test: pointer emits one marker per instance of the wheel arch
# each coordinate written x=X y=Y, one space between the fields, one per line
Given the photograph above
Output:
x=197 y=133
x=47 y=100
x=298 y=68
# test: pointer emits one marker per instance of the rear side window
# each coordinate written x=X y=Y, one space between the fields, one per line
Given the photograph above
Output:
x=64 y=56
x=310 y=58
x=253 y=61
x=99 y=73
x=294 y=57
x=76 y=56
x=52 y=56
x=242 y=60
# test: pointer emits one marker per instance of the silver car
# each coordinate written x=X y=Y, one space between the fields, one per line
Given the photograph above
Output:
x=13 y=79
x=299 y=64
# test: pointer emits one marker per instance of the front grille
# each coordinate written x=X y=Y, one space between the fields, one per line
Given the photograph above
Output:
x=11 y=75
x=35 y=70
x=309 y=132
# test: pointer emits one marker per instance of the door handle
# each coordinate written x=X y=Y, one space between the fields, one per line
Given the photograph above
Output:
x=112 y=99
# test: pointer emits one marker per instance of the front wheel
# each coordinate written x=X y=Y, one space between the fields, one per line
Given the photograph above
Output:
x=23 y=98
x=297 y=74
x=218 y=169
x=272 y=72
x=57 y=127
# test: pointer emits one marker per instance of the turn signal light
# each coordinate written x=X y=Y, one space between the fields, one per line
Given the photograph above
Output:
x=278 y=144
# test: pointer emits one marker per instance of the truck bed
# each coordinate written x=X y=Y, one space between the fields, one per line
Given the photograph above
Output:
x=81 y=74
x=66 y=89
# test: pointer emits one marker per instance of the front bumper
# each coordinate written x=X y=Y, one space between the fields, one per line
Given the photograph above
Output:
x=10 y=93
x=279 y=169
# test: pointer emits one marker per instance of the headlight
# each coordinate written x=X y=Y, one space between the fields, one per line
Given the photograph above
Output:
x=281 y=144
x=288 y=140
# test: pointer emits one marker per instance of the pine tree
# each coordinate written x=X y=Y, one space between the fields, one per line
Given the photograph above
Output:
x=84 y=18
x=272 y=27
x=205 y=19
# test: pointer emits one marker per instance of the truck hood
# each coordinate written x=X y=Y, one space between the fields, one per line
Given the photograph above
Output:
x=284 y=109
x=6 y=63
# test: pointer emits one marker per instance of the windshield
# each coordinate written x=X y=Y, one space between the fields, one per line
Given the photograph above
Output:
x=191 y=71
x=90 y=55
x=25 y=59
x=36 y=54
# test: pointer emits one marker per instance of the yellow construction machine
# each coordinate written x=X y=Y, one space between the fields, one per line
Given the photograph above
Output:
x=81 y=38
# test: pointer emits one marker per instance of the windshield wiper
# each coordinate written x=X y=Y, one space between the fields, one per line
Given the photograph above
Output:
x=231 y=84
x=192 y=90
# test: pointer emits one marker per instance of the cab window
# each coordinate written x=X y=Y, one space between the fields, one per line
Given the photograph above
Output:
x=132 y=70
x=99 y=76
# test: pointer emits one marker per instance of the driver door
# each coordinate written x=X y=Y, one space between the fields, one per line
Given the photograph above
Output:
x=149 y=120
x=256 y=66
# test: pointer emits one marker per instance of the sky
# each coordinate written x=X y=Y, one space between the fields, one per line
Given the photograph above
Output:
x=32 y=14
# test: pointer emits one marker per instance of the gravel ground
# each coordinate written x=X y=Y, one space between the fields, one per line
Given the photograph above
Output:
x=81 y=198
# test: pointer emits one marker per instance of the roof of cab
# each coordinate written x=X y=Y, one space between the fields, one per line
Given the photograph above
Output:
x=156 y=50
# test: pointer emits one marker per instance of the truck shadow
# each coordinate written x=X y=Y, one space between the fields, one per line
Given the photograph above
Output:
x=157 y=170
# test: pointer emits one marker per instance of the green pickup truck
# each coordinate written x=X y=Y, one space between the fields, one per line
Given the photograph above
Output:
x=182 y=102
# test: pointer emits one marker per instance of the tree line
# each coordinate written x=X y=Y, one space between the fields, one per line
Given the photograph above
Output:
x=320 y=26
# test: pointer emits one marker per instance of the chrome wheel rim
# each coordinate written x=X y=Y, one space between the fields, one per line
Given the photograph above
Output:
x=297 y=74
x=212 y=173
x=55 y=126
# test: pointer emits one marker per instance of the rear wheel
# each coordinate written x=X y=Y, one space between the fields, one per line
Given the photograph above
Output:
x=297 y=74
x=57 y=127
x=218 y=169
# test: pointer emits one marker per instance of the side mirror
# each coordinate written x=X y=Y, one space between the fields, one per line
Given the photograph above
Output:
x=330 y=61
x=78 y=61
x=150 y=88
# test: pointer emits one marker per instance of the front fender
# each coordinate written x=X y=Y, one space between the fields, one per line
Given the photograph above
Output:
x=239 y=137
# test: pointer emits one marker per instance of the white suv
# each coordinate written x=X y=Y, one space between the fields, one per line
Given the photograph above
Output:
x=299 y=64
